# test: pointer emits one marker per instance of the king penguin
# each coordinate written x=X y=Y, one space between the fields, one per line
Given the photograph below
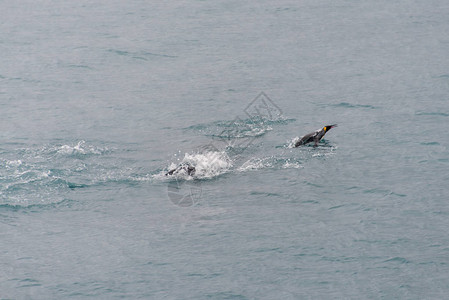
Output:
x=315 y=136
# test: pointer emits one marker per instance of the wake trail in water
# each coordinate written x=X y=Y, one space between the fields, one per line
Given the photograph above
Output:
x=235 y=150
x=47 y=174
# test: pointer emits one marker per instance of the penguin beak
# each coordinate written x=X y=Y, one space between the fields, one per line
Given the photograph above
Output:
x=332 y=126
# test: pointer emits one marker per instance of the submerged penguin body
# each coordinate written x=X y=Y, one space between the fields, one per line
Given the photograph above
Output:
x=185 y=168
x=315 y=136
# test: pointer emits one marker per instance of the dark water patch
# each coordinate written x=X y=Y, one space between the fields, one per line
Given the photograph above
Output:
x=143 y=55
x=32 y=207
x=351 y=105
x=352 y=188
x=28 y=282
x=412 y=212
x=441 y=213
x=312 y=184
x=25 y=258
x=424 y=113
x=398 y=194
x=310 y=201
x=119 y=52
x=7 y=219
x=265 y=250
x=15 y=78
x=285 y=9
x=430 y=143
x=72 y=185
x=158 y=55
x=140 y=58
x=80 y=67
x=427 y=263
x=339 y=258
x=150 y=263
x=266 y=194
x=383 y=192
x=399 y=260
x=445 y=76
x=127 y=180
x=205 y=276
x=336 y=207
x=368 y=241
x=229 y=295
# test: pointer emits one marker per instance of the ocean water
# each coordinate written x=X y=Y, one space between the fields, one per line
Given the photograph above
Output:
x=99 y=100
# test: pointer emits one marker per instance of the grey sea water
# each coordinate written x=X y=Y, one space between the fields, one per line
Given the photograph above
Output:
x=100 y=99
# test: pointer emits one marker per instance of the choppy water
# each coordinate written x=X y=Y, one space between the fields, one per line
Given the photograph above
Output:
x=98 y=101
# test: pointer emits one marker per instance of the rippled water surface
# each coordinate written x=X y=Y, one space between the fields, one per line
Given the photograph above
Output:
x=105 y=106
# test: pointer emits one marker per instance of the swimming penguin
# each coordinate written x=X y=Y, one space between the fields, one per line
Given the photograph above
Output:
x=183 y=167
x=315 y=136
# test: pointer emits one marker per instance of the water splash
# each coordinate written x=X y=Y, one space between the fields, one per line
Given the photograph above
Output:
x=207 y=164
x=291 y=144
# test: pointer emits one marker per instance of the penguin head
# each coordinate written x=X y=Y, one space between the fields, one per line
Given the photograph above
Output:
x=328 y=127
